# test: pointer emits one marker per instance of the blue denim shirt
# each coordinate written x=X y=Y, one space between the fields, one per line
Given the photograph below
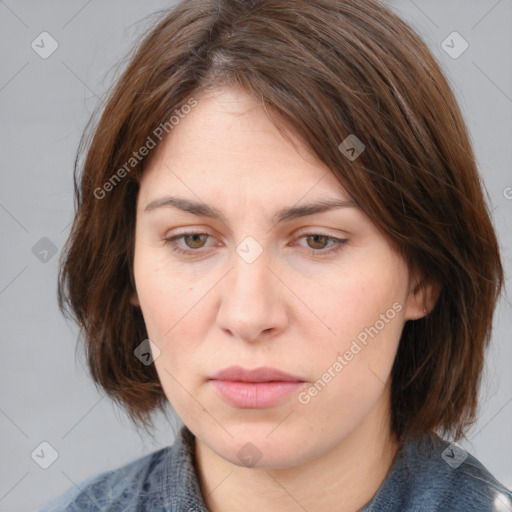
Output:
x=427 y=475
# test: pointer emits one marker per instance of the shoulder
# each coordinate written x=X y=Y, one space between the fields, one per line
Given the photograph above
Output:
x=432 y=475
x=139 y=482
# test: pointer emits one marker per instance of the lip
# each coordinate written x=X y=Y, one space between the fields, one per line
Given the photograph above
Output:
x=261 y=374
x=254 y=389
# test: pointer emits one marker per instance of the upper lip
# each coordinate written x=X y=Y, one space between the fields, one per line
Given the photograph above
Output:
x=261 y=374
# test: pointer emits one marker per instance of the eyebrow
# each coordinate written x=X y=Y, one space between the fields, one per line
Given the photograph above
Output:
x=285 y=214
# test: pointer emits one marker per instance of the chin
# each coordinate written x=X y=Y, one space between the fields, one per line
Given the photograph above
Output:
x=253 y=447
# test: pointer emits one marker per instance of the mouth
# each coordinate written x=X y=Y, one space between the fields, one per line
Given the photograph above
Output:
x=262 y=374
x=255 y=389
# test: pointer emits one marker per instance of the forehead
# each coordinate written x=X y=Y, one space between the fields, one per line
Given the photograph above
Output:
x=227 y=145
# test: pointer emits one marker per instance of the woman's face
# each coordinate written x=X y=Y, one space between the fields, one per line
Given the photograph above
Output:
x=320 y=296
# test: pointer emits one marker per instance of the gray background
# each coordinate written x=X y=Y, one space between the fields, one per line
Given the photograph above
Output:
x=46 y=394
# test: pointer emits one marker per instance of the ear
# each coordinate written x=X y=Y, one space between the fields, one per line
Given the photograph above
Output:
x=423 y=295
x=134 y=300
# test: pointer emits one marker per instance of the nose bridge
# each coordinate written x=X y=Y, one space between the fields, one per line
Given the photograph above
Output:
x=250 y=302
x=251 y=277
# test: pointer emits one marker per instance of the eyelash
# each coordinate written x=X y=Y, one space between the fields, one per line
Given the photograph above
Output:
x=170 y=242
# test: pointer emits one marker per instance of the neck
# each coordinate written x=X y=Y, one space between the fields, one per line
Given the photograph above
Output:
x=344 y=479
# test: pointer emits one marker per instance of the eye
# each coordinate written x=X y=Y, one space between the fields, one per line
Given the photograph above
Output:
x=194 y=241
x=316 y=242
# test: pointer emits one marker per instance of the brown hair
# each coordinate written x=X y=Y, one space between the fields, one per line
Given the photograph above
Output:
x=327 y=68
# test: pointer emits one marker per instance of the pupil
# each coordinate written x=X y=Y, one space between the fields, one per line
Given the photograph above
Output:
x=195 y=238
x=316 y=237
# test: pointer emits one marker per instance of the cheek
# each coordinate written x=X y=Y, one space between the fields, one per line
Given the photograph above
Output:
x=358 y=297
x=164 y=294
x=171 y=307
x=176 y=314
x=363 y=312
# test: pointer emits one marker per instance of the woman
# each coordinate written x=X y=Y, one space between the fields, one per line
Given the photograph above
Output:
x=281 y=232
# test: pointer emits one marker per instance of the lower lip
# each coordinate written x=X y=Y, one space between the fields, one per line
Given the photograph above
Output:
x=255 y=395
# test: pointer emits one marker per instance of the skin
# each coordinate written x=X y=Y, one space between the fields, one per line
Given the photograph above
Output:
x=291 y=308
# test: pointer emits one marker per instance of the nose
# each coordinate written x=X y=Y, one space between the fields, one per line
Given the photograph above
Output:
x=253 y=301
